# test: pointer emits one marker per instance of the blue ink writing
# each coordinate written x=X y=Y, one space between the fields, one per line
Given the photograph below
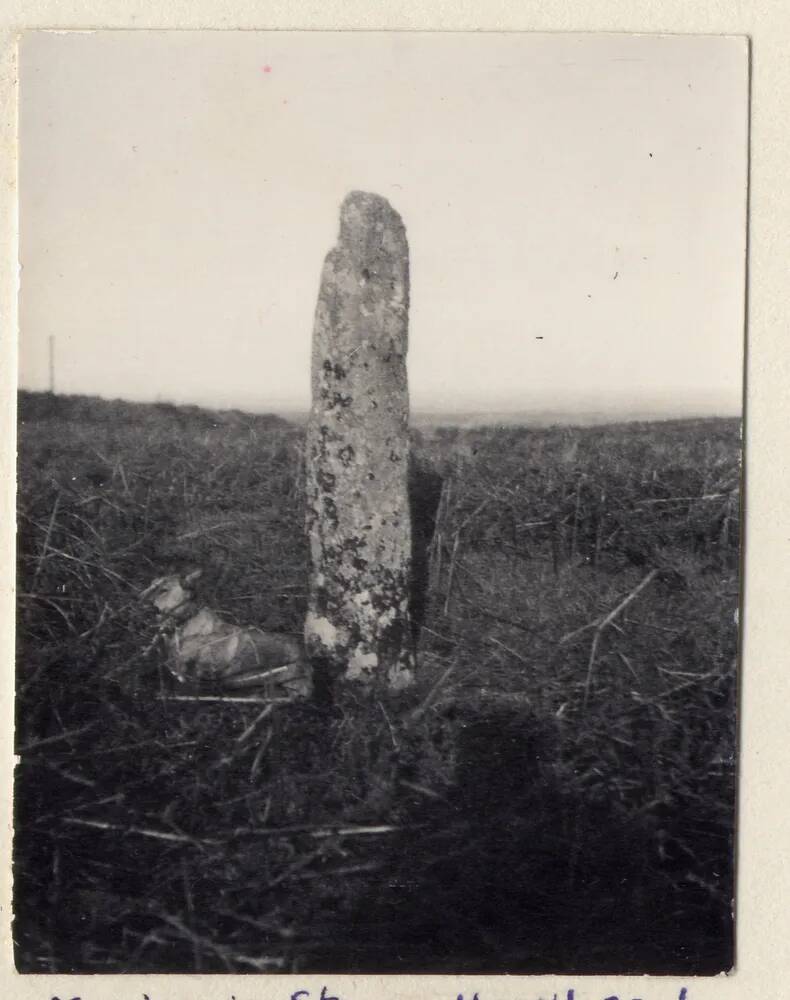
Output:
x=324 y=995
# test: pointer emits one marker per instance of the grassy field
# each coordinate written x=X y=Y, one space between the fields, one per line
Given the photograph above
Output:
x=557 y=793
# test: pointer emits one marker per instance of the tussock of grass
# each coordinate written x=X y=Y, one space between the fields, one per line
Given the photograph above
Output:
x=534 y=805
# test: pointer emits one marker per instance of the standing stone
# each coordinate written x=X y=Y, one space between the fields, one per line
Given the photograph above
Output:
x=358 y=522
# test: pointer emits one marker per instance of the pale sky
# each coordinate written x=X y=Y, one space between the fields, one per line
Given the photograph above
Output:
x=179 y=191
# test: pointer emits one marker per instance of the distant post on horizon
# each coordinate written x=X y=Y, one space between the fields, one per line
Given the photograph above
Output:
x=52 y=364
x=358 y=521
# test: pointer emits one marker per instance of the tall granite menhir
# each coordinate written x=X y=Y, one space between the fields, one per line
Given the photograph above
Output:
x=358 y=525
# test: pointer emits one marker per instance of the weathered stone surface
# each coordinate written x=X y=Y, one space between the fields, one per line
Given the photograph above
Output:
x=358 y=453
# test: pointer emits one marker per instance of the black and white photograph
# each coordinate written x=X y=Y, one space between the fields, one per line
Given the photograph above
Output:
x=379 y=504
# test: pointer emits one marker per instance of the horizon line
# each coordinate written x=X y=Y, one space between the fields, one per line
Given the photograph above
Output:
x=615 y=405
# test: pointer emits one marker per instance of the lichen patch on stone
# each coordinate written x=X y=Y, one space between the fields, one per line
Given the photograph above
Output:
x=322 y=630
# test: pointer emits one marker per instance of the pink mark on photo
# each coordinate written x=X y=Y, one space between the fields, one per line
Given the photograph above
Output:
x=267 y=69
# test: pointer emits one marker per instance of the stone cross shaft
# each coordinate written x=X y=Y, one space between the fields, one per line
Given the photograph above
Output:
x=357 y=455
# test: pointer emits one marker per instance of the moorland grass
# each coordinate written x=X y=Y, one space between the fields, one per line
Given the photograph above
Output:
x=556 y=794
